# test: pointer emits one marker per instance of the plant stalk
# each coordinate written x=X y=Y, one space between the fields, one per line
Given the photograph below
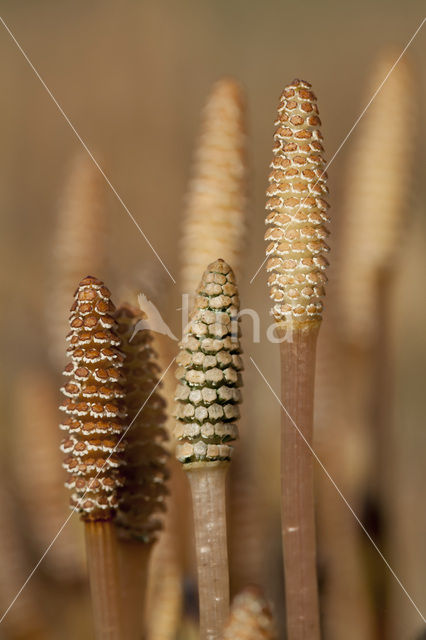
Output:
x=298 y=514
x=134 y=558
x=101 y=546
x=207 y=481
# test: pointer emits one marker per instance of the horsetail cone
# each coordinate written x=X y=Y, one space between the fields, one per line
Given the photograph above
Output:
x=93 y=405
x=215 y=216
x=78 y=245
x=250 y=618
x=377 y=196
x=142 y=496
x=208 y=392
x=298 y=210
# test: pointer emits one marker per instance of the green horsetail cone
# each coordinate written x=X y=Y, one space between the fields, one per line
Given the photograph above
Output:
x=208 y=392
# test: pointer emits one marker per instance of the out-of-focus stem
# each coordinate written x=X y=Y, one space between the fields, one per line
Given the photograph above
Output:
x=134 y=559
x=208 y=498
x=247 y=521
x=102 y=558
x=165 y=581
x=343 y=443
x=298 y=515
x=39 y=477
x=345 y=595
x=22 y=617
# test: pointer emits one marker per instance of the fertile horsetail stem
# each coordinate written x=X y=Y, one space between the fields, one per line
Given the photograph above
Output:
x=207 y=396
x=94 y=426
x=296 y=261
x=142 y=496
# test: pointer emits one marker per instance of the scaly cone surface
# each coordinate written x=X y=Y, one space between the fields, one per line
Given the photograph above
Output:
x=208 y=392
x=142 y=496
x=93 y=404
x=215 y=213
x=298 y=210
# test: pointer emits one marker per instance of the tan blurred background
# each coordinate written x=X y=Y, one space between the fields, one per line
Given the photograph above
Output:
x=132 y=77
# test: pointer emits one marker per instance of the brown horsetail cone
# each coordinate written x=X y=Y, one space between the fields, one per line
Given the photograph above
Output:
x=215 y=216
x=250 y=618
x=298 y=209
x=142 y=496
x=93 y=404
x=208 y=393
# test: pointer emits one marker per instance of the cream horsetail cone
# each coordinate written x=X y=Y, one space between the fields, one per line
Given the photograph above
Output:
x=208 y=392
x=78 y=246
x=215 y=215
x=298 y=209
x=250 y=618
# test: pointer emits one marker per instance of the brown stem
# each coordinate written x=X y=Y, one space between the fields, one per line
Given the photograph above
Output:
x=134 y=559
x=298 y=516
x=208 y=500
x=101 y=546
